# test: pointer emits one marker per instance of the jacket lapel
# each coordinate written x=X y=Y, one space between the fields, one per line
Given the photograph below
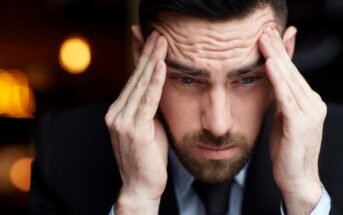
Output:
x=261 y=195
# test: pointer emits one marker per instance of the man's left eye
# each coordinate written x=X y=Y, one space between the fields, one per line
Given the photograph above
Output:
x=247 y=81
x=186 y=80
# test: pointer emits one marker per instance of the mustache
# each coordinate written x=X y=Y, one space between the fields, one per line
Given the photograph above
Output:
x=208 y=139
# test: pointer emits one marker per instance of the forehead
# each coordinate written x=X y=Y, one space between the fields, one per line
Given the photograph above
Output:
x=205 y=43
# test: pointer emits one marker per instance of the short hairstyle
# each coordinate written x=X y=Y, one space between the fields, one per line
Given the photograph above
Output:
x=149 y=10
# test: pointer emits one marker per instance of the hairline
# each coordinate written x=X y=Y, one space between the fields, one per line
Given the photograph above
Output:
x=281 y=21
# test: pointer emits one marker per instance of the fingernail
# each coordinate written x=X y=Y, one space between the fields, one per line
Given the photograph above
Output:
x=265 y=37
x=268 y=30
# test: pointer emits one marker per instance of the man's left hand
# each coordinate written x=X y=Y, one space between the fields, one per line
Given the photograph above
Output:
x=297 y=128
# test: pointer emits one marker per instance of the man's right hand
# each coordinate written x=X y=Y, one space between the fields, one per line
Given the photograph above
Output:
x=138 y=139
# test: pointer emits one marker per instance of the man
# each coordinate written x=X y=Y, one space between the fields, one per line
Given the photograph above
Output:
x=185 y=128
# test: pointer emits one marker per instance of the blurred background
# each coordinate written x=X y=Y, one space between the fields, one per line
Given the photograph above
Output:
x=60 y=54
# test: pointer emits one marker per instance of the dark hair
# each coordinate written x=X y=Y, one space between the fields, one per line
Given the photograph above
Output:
x=149 y=10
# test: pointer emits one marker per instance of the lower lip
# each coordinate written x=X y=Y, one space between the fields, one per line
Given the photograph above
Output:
x=216 y=153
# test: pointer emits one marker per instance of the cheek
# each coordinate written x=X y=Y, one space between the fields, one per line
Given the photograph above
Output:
x=183 y=112
x=251 y=110
x=180 y=113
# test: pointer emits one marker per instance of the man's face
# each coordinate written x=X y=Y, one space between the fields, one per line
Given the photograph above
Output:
x=216 y=92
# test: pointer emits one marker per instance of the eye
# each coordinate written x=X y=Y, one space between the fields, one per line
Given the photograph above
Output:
x=248 y=81
x=186 y=80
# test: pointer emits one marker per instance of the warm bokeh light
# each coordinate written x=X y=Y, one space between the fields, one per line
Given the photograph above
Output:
x=16 y=97
x=20 y=174
x=75 y=55
x=8 y=156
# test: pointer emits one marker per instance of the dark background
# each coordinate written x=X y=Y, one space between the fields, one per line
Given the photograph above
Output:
x=31 y=33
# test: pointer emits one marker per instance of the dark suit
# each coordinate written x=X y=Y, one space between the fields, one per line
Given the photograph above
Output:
x=75 y=172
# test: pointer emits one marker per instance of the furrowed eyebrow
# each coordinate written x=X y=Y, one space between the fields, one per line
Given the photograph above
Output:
x=186 y=69
x=200 y=72
x=247 y=69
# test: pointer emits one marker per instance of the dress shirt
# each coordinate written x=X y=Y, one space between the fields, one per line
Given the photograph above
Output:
x=190 y=204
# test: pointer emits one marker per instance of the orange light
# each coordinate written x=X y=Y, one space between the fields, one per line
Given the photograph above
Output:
x=20 y=174
x=75 y=55
x=16 y=97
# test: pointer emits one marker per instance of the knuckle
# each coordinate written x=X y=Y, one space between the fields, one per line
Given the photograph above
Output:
x=145 y=52
x=141 y=84
x=325 y=108
x=156 y=80
x=147 y=100
x=108 y=119
x=132 y=79
x=112 y=112
x=130 y=82
x=317 y=96
x=116 y=126
x=321 y=105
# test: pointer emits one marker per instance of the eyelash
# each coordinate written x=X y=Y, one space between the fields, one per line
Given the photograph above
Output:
x=186 y=81
x=182 y=79
x=253 y=78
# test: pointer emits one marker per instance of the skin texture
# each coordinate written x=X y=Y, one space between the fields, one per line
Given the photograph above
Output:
x=216 y=103
x=202 y=112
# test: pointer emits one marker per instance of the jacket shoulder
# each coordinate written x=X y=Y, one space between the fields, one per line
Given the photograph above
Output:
x=75 y=160
x=331 y=159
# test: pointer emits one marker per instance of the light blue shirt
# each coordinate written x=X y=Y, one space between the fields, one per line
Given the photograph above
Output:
x=190 y=204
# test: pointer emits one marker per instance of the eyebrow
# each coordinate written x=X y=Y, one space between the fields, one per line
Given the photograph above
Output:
x=187 y=69
x=201 y=72
x=250 y=68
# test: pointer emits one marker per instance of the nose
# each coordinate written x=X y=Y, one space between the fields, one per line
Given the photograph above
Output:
x=216 y=113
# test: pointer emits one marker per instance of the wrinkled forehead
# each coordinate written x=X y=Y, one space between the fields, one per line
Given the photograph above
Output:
x=203 y=42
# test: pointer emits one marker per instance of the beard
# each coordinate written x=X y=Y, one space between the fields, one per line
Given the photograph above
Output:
x=212 y=171
x=207 y=170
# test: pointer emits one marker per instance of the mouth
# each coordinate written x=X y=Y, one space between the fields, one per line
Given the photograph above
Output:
x=216 y=153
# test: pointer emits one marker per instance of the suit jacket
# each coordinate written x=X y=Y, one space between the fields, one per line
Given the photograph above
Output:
x=75 y=172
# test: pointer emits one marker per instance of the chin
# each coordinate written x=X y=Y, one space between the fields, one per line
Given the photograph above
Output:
x=213 y=170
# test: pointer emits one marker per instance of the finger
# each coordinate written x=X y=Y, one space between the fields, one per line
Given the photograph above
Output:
x=151 y=98
x=280 y=47
x=285 y=100
x=135 y=98
x=306 y=97
x=272 y=48
x=145 y=56
x=309 y=93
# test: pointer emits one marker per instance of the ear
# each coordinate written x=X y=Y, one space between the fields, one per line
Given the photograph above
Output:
x=137 y=42
x=289 y=39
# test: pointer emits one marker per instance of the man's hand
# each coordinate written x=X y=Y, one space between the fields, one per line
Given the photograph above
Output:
x=138 y=139
x=297 y=128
